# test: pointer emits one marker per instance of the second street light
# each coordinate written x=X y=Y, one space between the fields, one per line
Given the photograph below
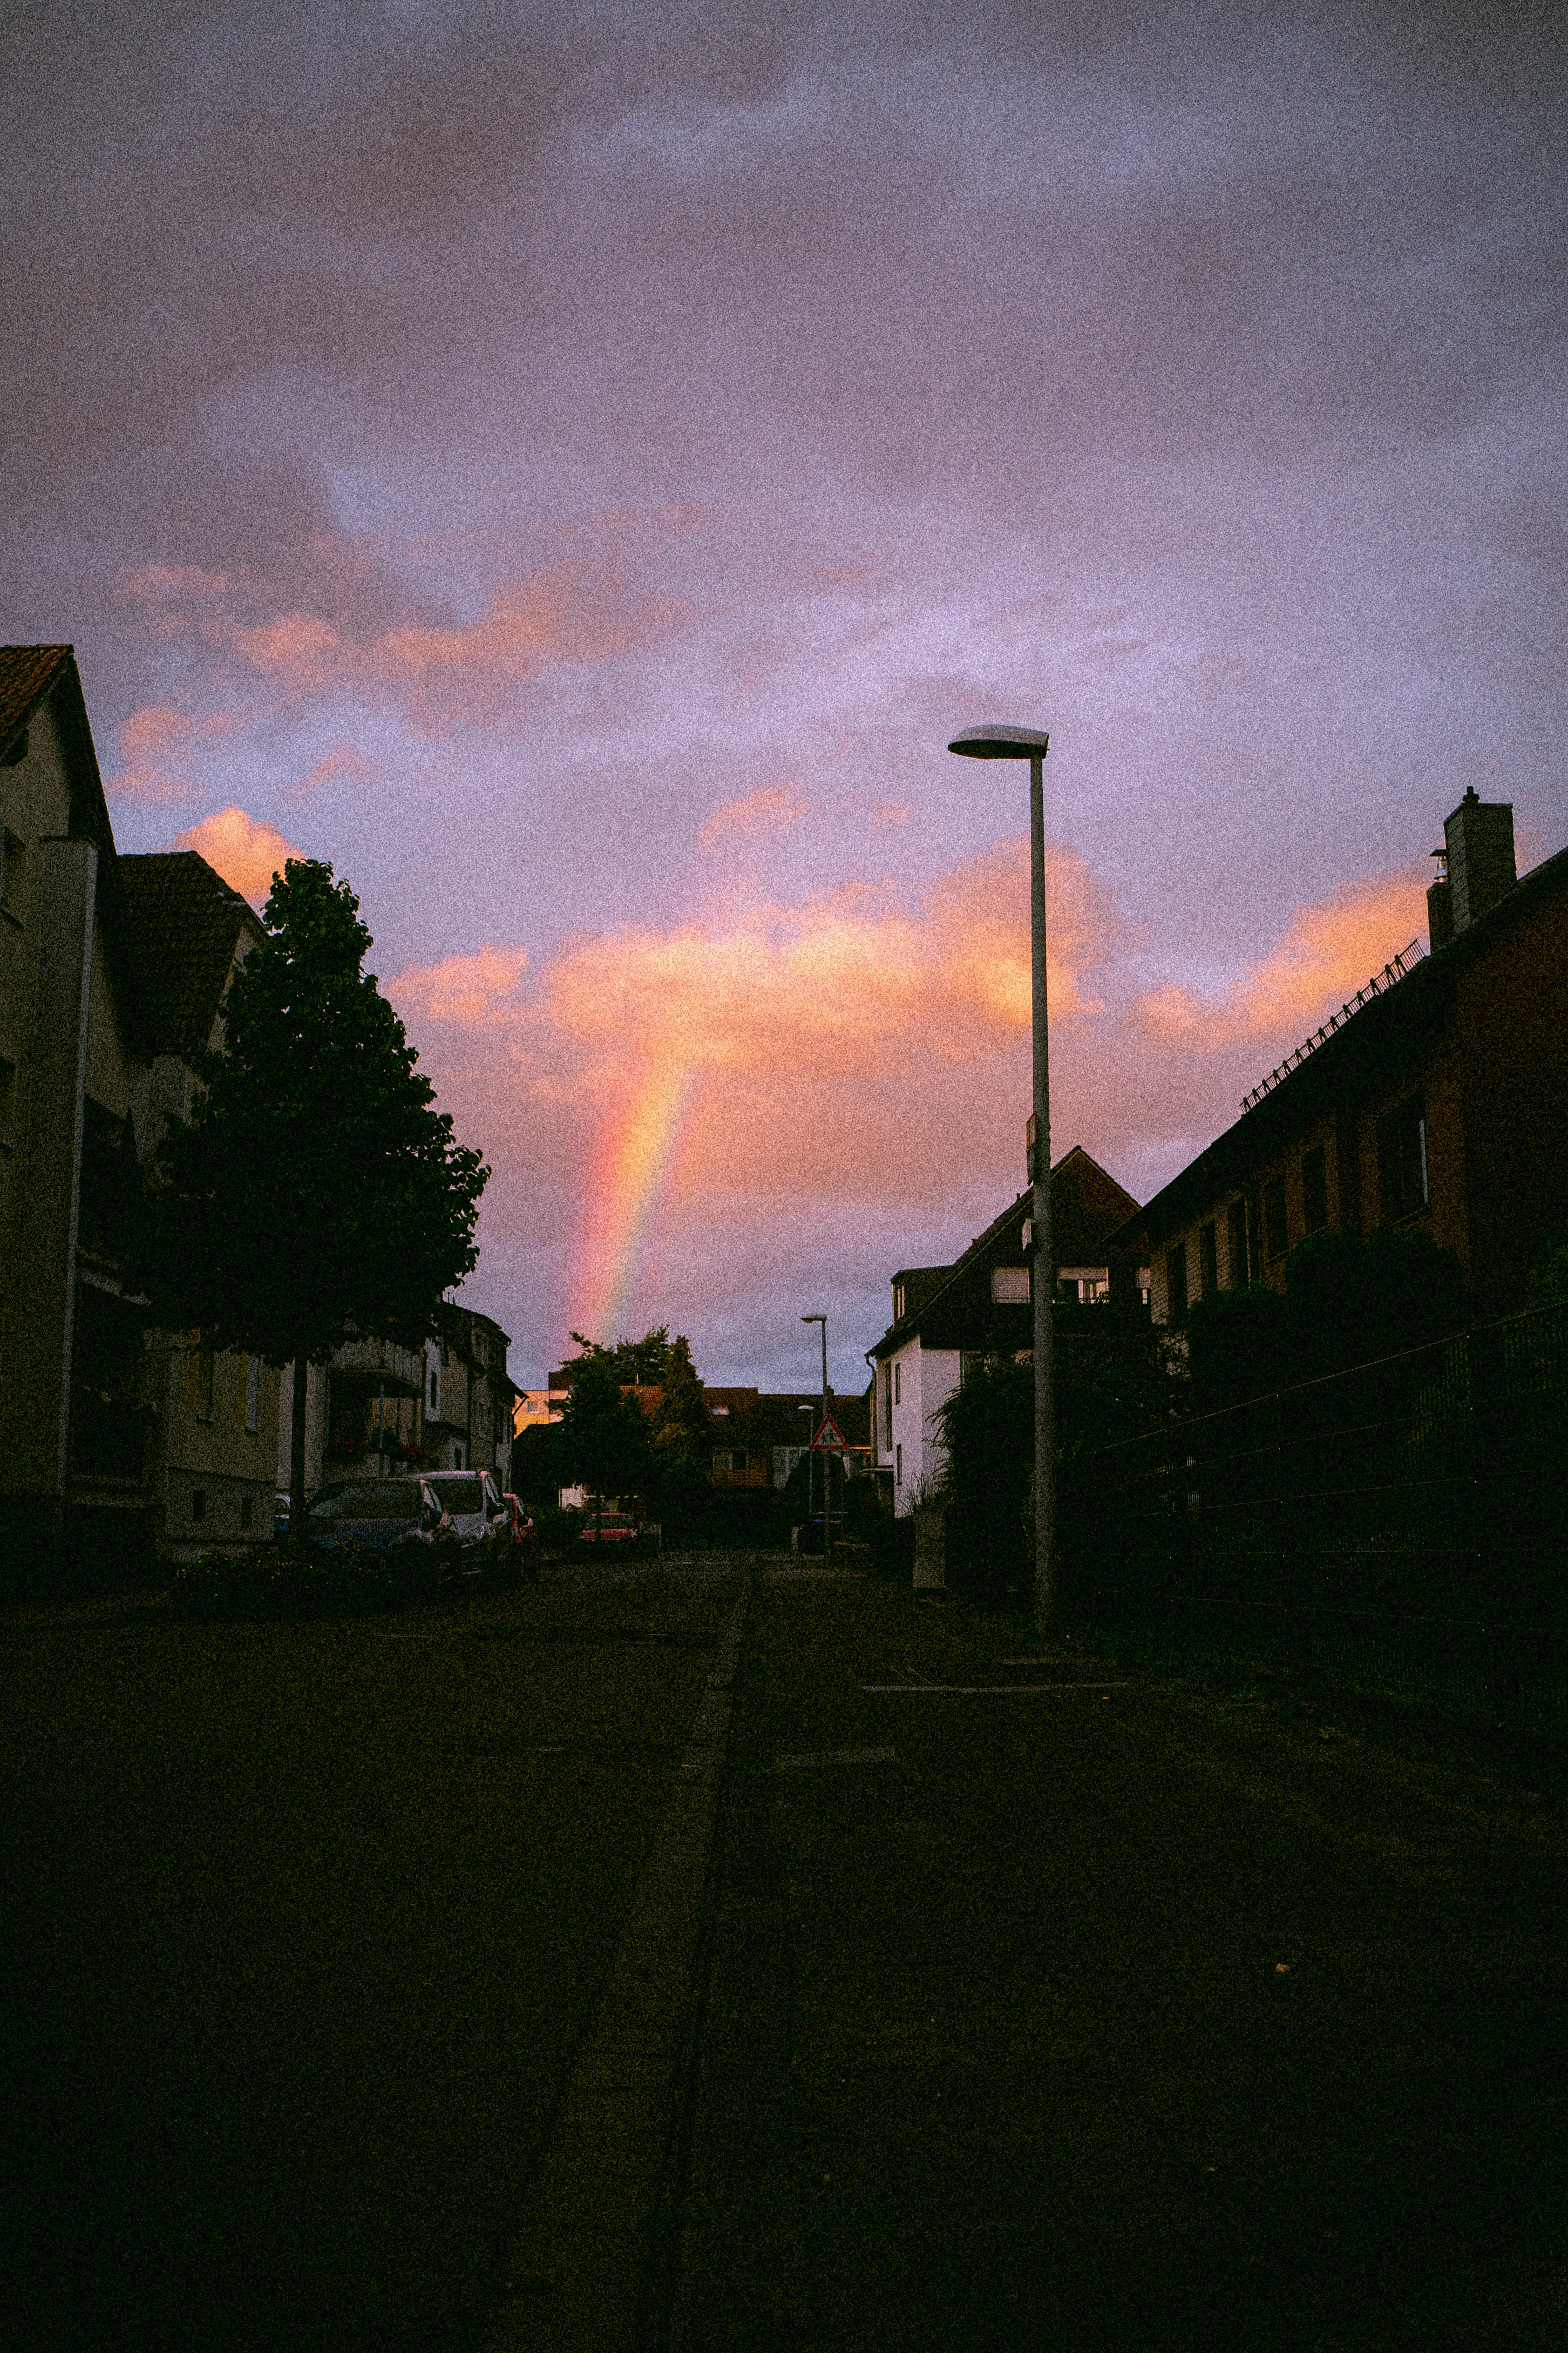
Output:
x=996 y=743
x=827 y=1475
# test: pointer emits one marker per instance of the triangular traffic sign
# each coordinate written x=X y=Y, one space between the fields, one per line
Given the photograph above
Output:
x=829 y=1439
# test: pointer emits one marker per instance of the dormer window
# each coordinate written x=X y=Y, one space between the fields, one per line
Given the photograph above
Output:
x=897 y=1302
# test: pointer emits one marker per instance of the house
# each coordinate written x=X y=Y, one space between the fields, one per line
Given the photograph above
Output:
x=379 y=1408
x=73 y=1437
x=1438 y=1100
x=469 y=1394
x=761 y=1437
x=946 y=1318
x=213 y=1414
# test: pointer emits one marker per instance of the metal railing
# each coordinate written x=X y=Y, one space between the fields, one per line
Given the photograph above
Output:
x=1394 y=970
x=1402 y=1526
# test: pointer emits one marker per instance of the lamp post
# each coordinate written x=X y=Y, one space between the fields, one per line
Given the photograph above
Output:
x=826 y=1480
x=1029 y=744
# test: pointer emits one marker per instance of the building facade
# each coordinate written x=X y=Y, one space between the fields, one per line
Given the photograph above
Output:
x=1438 y=1100
x=946 y=1318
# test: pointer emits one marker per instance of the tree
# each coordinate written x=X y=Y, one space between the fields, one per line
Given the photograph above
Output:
x=642 y=1363
x=314 y=1193
x=605 y=1436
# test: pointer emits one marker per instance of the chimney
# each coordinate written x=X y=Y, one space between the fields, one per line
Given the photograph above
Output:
x=1440 y=906
x=1481 y=858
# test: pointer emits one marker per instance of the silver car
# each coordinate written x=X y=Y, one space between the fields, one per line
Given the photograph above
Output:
x=471 y=1507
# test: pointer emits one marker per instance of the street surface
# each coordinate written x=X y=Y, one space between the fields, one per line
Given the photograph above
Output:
x=738 y=1956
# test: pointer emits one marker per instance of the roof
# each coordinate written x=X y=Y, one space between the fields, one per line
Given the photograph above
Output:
x=1087 y=1207
x=184 y=923
x=1376 y=1045
x=26 y=673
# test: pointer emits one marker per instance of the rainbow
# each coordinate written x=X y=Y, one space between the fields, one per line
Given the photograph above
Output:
x=632 y=1165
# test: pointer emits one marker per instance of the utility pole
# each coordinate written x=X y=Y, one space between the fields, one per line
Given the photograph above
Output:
x=827 y=1476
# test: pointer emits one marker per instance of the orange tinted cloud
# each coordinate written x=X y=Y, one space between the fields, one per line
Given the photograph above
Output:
x=771 y=809
x=584 y=610
x=246 y=851
x=466 y=992
x=155 y=743
x=1326 y=953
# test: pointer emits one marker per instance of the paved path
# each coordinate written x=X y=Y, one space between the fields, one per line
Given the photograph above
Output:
x=1107 y=2015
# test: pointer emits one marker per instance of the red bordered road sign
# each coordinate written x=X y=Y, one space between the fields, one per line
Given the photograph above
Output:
x=829 y=1439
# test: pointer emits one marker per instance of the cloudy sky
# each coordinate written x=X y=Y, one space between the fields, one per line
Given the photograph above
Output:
x=574 y=467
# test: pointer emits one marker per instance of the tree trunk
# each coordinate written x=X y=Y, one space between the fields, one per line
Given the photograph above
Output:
x=297 y=1450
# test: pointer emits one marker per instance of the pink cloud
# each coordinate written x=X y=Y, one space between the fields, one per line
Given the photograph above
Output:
x=771 y=809
x=584 y=609
x=244 y=849
x=1326 y=952
x=155 y=743
x=344 y=761
x=476 y=992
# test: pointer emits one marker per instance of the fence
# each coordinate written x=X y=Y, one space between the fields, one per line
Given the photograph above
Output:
x=1400 y=1528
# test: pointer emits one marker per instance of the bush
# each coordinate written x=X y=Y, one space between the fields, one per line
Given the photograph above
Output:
x=281 y=1580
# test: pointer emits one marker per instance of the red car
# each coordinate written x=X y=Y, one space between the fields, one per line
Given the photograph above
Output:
x=617 y=1528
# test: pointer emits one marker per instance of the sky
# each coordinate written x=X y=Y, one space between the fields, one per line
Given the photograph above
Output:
x=574 y=468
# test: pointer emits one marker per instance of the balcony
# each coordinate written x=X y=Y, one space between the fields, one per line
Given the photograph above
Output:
x=377 y=1364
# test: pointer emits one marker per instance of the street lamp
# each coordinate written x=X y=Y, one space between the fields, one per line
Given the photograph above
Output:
x=1029 y=744
x=826 y=1481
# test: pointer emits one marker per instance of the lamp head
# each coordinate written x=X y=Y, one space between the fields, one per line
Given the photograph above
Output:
x=994 y=742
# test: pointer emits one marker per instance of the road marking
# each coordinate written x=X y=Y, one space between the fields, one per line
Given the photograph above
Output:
x=993 y=1688
x=575 y=2277
x=838 y=1756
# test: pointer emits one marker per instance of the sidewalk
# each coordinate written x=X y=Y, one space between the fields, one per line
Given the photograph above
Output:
x=1117 y=2016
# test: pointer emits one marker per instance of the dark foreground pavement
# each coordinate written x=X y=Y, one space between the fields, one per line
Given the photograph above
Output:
x=688 y=1959
x=1108 y=2017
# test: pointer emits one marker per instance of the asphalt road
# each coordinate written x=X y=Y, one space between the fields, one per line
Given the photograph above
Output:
x=303 y=1926
x=369 y=1987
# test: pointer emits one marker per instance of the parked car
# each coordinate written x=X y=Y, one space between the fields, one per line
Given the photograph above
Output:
x=380 y=1513
x=616 y=1529
x=456 y=1512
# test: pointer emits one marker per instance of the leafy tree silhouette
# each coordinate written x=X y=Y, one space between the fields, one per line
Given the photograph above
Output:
x=314 y=1193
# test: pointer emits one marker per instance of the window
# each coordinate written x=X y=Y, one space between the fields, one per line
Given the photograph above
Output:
x=1314 y=1192
x=897 y=1383
x=897 y=1302
x=198 y=1381
x=1010 y=1286
x=1275 y=1225
x=970 y=1365
x=898 y=1466
x=1208 y=1260
x=245 y=1505
x=433 y=1406
x=1402 y=1160
x=1176 y=1285
x=198 y=1503
x=1235 y=1239
x=252 y=1393
x=457 y=1458
x=887 y=1372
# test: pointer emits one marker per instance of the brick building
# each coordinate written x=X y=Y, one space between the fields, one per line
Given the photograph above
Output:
x=1438 y=1099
